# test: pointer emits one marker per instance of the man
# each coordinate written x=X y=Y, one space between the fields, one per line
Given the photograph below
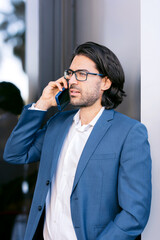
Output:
x=94 y=179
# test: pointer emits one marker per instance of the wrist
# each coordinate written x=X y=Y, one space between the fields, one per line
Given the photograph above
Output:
x=42 y=105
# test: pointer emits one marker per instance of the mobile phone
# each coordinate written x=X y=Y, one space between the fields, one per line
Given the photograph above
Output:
x=62 y=98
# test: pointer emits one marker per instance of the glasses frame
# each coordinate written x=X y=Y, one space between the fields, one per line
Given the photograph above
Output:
x=81 y=70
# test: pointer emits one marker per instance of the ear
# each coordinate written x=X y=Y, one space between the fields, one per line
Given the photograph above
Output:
x=106 y=83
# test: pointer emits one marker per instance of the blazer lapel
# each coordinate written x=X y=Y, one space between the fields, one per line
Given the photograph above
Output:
x=53 y=147
x=62 y=132
x=95 y=137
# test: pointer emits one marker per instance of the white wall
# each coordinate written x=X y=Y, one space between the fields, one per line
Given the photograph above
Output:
x=115 y=24
x=150 y=102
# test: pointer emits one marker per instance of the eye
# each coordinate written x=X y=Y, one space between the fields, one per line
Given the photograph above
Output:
x=82 y=74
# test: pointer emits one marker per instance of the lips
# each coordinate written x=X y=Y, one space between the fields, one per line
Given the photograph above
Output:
x=74 y=92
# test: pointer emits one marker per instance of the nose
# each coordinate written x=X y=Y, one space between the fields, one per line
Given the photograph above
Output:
x=72 y=80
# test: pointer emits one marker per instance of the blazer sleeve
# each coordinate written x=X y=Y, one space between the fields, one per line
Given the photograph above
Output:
x=25 y=142
x=134 y=187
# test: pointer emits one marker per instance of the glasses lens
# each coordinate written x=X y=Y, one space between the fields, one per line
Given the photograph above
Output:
x=81 y=75
x=68 y=74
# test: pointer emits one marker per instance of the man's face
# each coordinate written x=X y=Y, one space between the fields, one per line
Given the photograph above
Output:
x=87 y=93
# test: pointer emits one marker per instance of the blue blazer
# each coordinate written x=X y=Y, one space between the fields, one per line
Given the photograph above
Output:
x=111 y=194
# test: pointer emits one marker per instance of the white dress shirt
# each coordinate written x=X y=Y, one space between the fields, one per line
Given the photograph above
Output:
x=58 y=222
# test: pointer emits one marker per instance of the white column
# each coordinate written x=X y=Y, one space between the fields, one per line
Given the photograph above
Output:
x=150 y=102
x=32 y=46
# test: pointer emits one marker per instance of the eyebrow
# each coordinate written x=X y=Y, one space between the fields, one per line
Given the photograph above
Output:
x=85 y=70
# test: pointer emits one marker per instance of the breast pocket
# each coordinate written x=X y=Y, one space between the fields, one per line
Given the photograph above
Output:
x=107 y=156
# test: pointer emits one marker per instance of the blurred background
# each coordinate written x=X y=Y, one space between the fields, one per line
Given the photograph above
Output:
x=14 y=181
x=37 y=39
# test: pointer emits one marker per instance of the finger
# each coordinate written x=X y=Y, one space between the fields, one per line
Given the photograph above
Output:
x=55 y=84
x=63 y=81
x=58 y=85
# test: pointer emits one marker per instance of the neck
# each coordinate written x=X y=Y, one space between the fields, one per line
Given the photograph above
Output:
x=87 y=114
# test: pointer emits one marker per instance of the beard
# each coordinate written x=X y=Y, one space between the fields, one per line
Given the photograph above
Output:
x=86 y=98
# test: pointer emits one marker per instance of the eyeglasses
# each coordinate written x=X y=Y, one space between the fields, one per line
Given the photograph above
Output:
x=80 y=75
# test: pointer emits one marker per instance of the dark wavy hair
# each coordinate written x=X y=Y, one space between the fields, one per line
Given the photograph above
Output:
x=10 y=98
x=108 y=64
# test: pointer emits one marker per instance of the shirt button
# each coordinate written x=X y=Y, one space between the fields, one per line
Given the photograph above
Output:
x=47 y=182
x=39 y=208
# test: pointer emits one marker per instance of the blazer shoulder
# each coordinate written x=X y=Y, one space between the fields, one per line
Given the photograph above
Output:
x=124 y=118
x=61 y=116
x=127 y=123
x=125 y=126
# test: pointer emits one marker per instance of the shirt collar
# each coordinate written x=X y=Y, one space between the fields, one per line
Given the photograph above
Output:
x=77 y=120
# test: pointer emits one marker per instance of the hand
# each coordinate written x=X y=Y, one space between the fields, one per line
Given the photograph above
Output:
x=47 y=98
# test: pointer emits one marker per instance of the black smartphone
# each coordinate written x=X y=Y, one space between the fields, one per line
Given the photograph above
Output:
x=62 y=98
